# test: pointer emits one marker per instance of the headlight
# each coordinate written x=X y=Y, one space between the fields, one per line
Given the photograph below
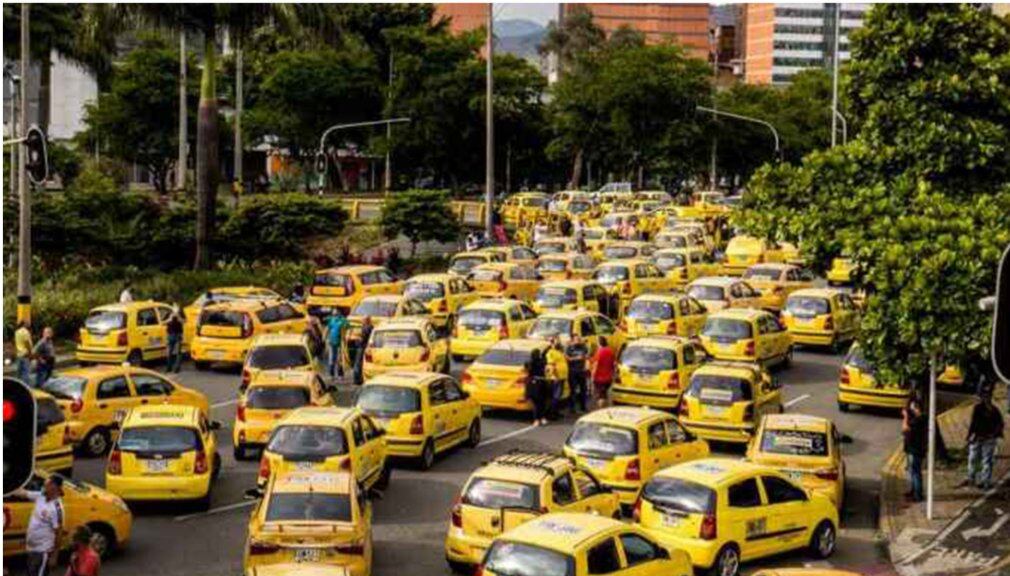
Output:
x=121 y=504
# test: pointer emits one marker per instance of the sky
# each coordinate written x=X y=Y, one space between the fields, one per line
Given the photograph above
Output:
x=539 y=13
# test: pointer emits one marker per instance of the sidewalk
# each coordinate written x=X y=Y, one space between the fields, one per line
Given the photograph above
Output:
x=970 y=531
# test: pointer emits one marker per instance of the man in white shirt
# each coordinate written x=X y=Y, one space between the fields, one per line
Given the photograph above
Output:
x=42 y=539
x=126 y=296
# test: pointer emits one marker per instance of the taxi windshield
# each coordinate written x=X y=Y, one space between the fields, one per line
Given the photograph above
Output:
x=702 y=292
x=854 y=358
x=595 y=438
x=159 y=439
x=278 y=357
x=719 y=390
x=505 y=357
x=549 y=327
x=673 y=241
x=762 y=273
x=611 y=273
x=498 y=494
x=424 y=291
x=537 y=201
x=807 y=306
x=296 y=442
x=466 y=263
x=517 y=559
x=65 y=387
x=679 y=495
x=486 y=275
x=380 y=400
x=333 y=280
x=727 y=329
x=277 y=397
x=553 y=265
x=648 y=359
x=618 y=252
x=650 y=310
x=549 y=247
x=578 y=207
x=794 y=442
x=611 y=220
x=396 y=339
x=667 y=261
x=308 y=506
x=377 y=308
x=593 y=233
x=481 y=319
x=555 y=297
x=105 y=320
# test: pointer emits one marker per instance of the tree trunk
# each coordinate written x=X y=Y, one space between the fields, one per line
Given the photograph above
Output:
x=239 y=97
x=573 y=184
x=45 y=93
x=206 y=154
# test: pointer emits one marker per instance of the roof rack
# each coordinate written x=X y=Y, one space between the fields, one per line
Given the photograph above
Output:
x=534 y=460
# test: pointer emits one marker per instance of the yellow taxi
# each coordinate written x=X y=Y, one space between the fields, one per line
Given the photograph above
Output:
x=627 y=249
x=311 y=518
x=591 y=326
x=858 y=385
x=596 y=237
x=566 y=266
x=498 y=377
x=297 y=569
x=269 y=396
x=776 y=282
x=406 y=344
x=292 y=352
x=630 y=278
x=624 y=446
x=423 y=413
x=95 y=400
x=742 y=252
x=583 y=209
x=342 y=288
x=105 y=513
x=218 y=295
x=575 y=295
x=703 y=234
x=571 y=544
x=54 y=448
x=516 y=254
x=381 y=308
x=723 y=512
x=807 y=449
x=684 y=265
x=524 y=207
x=556 y=245
x=515 y=488
x=747 y=335
x=462 y=263
x=664 y=314
x=132 y=332
x=485 y=322
x=841 y=271
x=442 y=294
x=821 y=317
x=164 y=453
x=725 y=401
x=654 y=371
x=682 y=239
x=327 y=439
x=721 y=292
x=226 y=331
x=561 y=201
x=504 y=280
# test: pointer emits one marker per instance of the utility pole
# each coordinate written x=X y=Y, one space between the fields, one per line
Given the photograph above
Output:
x=15 y=96
x=931 y=443
x=489 y=167
x=714 y=41
x=239 y=97
x=180 y=166
x=24 y=308
x=387 y=180
x=834 y=77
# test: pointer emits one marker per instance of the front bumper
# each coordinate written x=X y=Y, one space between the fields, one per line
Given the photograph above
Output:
x=720 y=432
x=158 y=487
x=878 y=397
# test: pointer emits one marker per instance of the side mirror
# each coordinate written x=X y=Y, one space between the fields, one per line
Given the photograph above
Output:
x=215 y=425
x=252 y=494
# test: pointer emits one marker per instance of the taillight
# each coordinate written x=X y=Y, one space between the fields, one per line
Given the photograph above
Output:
x=77 y=405
x=200 y=466
x=260 y=548
x=748 y=412
x=247 y=327
x=417 y=425
x=246 y=377
x=240 y=412
x=457 y=514
x=503 y=331
x=115 y=462
x=843 y=376
x=443 y=306
x=749 y=351
x=368 y=355
x=466 y=378
x=671 y=329
x=345 y=464
x=264 y=472
x=827 y=474
x=633 y=471
x=122 y=339
x=674 y=382
x=425 y=355
x=829 y=324
x=636 y=511
x=708 y=531
x=355 y=548
x=626 y=287
x=478 y=570
x=503 y=285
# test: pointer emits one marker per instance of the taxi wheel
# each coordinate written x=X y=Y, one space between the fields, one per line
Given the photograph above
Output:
x=103 y=539
x=97 y=442
x=843 y=407
x=240 y=453
x=727 y=562
x=822 y=542
x=473 y=435
x=459 y=567
x=201 y=365
x=427 y=459
x=383 y=481
x=135 y=358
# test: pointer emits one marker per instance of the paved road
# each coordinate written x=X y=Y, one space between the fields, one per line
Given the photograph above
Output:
x=410 y=521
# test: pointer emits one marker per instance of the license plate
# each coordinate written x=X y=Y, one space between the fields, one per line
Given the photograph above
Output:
x=595 y=463
x=216 y=354
x=307 y=555
x=715 y=410
x=304 y=465
x=671 y=520
x=493 y=383
x=157 y=465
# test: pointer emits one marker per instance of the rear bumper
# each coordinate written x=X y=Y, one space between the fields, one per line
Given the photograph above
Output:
x=879 y=397
x=404 y=446
x=813 y=337
x=251 y=435
x=507 y=400
x=158 y=487
x=718 y=431
x=463 y=548
x=637 y=397
x=101 y=355
x=215 y=351
x=355 y=565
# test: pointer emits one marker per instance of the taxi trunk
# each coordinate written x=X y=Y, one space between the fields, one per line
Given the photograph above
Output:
x=860 y=387
x=158 y=474
x=682 y=515
x=641 y=386
x=103 y=346
x=481 y=525
x=808 y=326
x=313 y=542
x=497 y=386
x=475 y=332
x=649 y=326
x=259 y=423
x=718 y=414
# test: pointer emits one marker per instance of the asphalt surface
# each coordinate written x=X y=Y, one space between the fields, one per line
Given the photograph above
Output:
x=411 y=518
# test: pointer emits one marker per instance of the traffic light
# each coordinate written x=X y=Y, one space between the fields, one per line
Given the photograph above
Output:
x=37 y=164
x=19 y=434
x=1001 y=320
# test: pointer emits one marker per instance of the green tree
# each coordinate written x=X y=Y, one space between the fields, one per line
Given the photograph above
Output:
x=421 y=216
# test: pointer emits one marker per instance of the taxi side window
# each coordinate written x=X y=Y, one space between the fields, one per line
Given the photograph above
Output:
x=269 y=315
x=563 y=491
x=368 y=431
x=287 y=312
x=369 y=278
x=385 y=277
x=432 y=333
x=675 y=432
x=604 y=325
x=113 y=388
x=149 y=385
x=696 y=307
x=745 y=494
x=164 y=313
x=358 y=432
x=147 y=317
x=528 y=312
x=588 y=486
x=776 y=324
x=689 y=355
x=781 y=492
x=637 y=550
x=436 y=393
x=685 y=307
x=516 y=314
x=586 y=326
x=603 y=558
x=641 y=271
x=452 y=391
x=657 y=436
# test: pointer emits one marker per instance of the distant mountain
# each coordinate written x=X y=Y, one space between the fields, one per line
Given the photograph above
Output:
x=513 y=27
x=519 y=36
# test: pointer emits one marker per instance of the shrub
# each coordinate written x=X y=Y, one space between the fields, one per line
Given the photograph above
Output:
x=420 y=215
x=279 y=225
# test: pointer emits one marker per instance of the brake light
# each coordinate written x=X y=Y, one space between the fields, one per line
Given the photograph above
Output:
x=425 y=354
x=345 y=464
x=246 y=377
x=503 y=331
x=115 y=463
x=671 y=329
x=122 y=339
x=259 y=548
x=626 y=287
x=442 y=306
x=200 y=466
x=264 y=471
x=355 y=548
x=417 y=425
x=827 y=474
x=749 y=351
x=77 y=405
x=829 y=324
x=457 y=514
x=478 y=570
x=708 y=531
x=247 y=327
x=466 y=378
x=843 y=376
x=636 y=511
x=633 y=471
x=368 y=355
x=503 y=285
x=240 y=412
x=674 y=382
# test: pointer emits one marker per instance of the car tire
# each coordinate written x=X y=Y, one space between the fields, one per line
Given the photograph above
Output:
x=216 y=470
x=727 y=562
x=135 y=358
x=240 y=453
x=103 y=539
x=97 y=442
x=473 y=434
x=843 y=407
x=384 y=477
x=459 y=567
x=201 y=365
x=427 y=459
x=203 y=503
x=823 y=540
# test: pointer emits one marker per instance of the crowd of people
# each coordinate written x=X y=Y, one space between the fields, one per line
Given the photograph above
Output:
x=588 y=378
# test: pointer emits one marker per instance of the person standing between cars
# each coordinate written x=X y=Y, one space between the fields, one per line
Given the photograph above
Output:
x=45 y=357
x=913 y=429
x=126 y=296
x=984 y=434
x=297 y=294
x=536 y=387
x=576 y=354
x=335 y=326
x=173 y=333
x=603 y=371
x=42 y=539
x=359 y=357
x=84 y=560
x=555 y=386
x=23 y=351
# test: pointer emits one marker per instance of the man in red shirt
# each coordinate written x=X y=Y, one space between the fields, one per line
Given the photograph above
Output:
x=84 y=561
x=603 y=371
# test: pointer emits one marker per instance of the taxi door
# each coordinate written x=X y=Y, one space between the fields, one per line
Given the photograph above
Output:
x=846 y=314
x=691 y=317
x=660 y=282
x=779 y=335
x=685 y=446
x=366 y=456
x=743 y=296
x=439 y=347
x=524 y=279
x=291 y=320
x=442 y=418
x=461 y=294
x=661 y=453
x=518 y=321
x=786 y=514
x=114 y=397
x=592 y=296
x=767 y=399
x=747 y=518
x=592 y=498
x=151 y=334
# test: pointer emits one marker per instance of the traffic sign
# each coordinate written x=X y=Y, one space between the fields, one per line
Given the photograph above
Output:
x=37 y=164
x=1001 y=320
x=19 y=434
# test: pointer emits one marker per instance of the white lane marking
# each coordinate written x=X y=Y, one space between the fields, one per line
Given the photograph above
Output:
x=223 y=404
x=511 y=434
x=795 y=401
x=213 y=511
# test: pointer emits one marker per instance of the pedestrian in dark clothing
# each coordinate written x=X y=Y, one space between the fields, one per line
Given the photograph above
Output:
x=393 y=260
x=984 y=434
x=577 y=353
x=45 y=357
x=297 y=294
x=536 y=387
x=173 y=330
x=914 y=431
x=359 y=359
x=566 y=226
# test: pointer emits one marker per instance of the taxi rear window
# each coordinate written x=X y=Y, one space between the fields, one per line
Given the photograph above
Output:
x=549 y=247
x=579 y=207
x=381 y=401
x=556 y=296
x=333 y=280
x=611 y=273
x=481 y=319
x=604 y=440
x=159 y=440
x=308 y=507
x=762 y=273
x=795 y=442
x=727 y=329
x=648 y=358
x=553 y=265
x=424 y=291
x=467 y=262
x=277 y=397
x=807 y=306
x=278 y=357
x=396 y=339
x=707 y=292
x=548 y=327
x=668 y=261
x=105 y=320
x=674 y=240
x=617 y=252
x=295 y=442
x=593 y=234
x=65 y=387
x=650 y=310
x=486 y=275
x=517 y=559
x=377 y=308
x=224 y=318
x=497 y=494
x=854 y=358
x=505 y=357
x=712 y=389
x=674 y=494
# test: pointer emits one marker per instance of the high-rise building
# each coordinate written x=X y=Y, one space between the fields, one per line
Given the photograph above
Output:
x=779 y=40
x=1001 y=9
x=686 y=23
x=463 y=17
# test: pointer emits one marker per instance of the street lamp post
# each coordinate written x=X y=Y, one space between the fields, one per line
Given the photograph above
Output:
x=336 y=127
x=489 y=128
x=775 y=133
x=24 y=304
x=834 y=77
x=713 y=37
x=845 y=126
x=180 y=169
